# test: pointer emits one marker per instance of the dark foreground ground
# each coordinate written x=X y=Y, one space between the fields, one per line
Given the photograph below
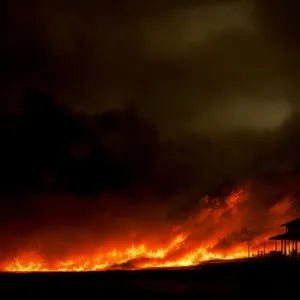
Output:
x=261 y=279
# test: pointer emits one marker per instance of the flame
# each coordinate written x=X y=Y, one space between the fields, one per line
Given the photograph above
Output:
x=181 y=250
x=149 y=258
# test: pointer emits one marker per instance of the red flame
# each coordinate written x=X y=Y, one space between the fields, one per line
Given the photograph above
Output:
x=184 y=247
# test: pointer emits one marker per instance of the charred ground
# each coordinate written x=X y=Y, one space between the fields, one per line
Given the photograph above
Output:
x=234 y=280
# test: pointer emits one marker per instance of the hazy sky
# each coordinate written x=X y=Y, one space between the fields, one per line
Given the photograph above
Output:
x=219 y=78
x=190 y=66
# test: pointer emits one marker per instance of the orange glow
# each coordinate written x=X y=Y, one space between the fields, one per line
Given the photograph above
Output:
x=181 y=249
x=151 y=258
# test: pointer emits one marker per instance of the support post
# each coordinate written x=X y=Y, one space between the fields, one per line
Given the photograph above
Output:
x=285 y=247
x=264 y=248
x=249 y=250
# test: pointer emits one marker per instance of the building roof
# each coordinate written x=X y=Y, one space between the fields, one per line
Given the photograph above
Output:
x=294 y=222
x=289 y=236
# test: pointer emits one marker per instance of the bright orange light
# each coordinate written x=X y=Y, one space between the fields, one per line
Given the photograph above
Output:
x=149 y=258
x=181 y=250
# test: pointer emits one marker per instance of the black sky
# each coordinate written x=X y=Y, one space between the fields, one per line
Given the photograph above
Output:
x=164 y=100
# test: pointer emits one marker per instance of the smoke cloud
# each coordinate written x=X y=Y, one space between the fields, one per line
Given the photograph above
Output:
x=110 y=111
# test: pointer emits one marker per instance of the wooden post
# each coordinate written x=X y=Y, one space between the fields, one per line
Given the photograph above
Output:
x=249 y=250
x=264 y=248
x=284 y=247
x=281 y=246
x=290 y=247
x=276 y=245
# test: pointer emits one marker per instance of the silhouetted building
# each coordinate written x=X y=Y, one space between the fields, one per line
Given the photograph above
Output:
x=288 y=240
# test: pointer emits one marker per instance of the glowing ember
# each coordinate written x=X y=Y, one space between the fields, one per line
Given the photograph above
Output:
x=183 y=248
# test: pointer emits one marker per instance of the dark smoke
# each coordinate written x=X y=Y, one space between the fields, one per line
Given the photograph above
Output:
x=137 y=107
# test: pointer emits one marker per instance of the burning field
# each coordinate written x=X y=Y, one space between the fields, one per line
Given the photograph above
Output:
x=148 y=137
x=107 y=192
x=219 y=228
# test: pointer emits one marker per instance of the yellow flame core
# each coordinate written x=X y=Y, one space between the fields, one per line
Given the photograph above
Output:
x=177 y=253
x=140 y=255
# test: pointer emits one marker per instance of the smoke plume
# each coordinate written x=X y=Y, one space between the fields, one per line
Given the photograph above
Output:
x=117 y=119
